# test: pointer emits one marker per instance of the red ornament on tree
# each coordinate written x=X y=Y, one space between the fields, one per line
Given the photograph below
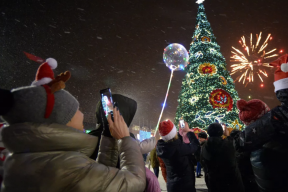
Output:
x=219 y=98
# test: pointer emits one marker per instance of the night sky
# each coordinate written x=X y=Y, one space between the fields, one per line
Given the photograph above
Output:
x=119 y=44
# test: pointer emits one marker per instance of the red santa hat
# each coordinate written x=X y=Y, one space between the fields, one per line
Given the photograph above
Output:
x=167 y=130
x=252 y=110
x=45 y=72
x=281 y=73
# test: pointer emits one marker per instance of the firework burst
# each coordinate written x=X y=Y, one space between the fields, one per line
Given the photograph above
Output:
x=253 y=60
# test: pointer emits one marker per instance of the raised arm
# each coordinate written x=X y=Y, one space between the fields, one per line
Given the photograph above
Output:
x=192 y=147
x=92 y=176
x=147 y=145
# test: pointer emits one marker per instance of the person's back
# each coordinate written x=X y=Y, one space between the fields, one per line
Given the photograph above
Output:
x=218 y=157
x=175 y=154
x=265 y=138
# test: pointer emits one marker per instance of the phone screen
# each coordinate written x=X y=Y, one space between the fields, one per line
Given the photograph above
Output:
x=223 y=126
x=182 y=124
x=107 y=101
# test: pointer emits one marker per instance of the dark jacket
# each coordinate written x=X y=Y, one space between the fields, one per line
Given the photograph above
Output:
x=127 y=108
x=221 y=171
x=176 y=156
x=267 y=138
x=245 y=167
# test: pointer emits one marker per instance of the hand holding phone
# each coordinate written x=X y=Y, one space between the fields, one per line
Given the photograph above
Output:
x=118 y=127
x=107 y=102
x=106 y=108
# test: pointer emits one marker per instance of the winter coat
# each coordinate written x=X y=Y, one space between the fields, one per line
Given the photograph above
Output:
x=245 y=168
x=163 y=168
x=180 y=169
x=55 y=158
x=220 y=166
x=153 y=158
x=267 y=138
x=152 y=184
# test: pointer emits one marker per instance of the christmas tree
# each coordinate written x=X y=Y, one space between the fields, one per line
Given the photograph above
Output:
x=208 y=93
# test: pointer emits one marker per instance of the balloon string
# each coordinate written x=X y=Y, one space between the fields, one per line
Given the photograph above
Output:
x=172 y=70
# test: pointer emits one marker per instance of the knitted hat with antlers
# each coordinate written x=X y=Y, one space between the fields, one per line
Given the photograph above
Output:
x=45 y=103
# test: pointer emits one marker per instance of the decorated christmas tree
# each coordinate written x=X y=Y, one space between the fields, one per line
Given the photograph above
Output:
x=208 y=93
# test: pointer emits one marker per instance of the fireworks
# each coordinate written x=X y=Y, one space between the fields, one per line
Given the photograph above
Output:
x=253 y=60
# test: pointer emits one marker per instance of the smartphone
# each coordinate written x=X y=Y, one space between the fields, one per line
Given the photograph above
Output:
x=182 y=124
x=107 y=102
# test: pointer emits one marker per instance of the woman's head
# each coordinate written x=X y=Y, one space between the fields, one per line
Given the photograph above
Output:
x=33 y=104
x=252 y=110
x=167 y=130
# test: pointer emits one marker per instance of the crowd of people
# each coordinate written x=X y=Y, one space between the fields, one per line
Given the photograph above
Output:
x=46 y=148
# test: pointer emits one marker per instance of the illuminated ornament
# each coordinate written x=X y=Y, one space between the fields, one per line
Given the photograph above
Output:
x=175 y=56
x=237 y=125
x=205 y=39
x=223 y=80
x=207 y=68
x=198 y=55
x=193 y=100
x=212 y=50
x=219 y=98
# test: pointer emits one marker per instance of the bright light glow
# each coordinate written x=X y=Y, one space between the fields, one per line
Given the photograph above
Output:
x=249 y=97
x=200 y=1
x=281 y=51
x=262 y=85
x=163 y=106
x=252 y=60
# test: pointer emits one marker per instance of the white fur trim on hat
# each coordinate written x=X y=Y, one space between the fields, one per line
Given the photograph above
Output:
x=52 y=63
x=42 y=81
x=284 y=67
x=171 y=134
x=281 y=84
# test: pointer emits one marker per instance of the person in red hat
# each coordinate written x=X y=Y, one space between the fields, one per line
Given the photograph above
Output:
x=176 y=156
x=266 y=134
x=249 y=112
